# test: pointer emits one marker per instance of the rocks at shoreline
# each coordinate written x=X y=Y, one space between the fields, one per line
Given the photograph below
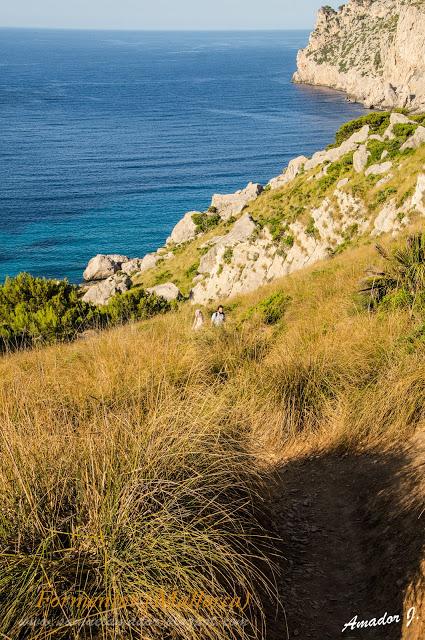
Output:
x=101 y=292
x=374 y=50
x=102 y=266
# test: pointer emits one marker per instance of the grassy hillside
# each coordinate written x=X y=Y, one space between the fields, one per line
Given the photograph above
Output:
x=137 y=465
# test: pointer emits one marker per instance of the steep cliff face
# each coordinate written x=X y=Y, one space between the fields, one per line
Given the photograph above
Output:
x=372 y=49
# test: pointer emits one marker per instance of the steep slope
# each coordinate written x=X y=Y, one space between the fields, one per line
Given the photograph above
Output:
x=371 y=181
x=372 y=49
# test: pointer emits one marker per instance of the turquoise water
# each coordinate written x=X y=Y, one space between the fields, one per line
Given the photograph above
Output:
x=107 y=138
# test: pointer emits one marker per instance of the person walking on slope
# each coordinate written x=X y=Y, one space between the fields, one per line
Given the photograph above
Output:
x=218 y=318
x=198 y=322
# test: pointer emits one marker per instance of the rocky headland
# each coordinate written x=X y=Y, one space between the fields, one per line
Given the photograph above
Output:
x=374 y=50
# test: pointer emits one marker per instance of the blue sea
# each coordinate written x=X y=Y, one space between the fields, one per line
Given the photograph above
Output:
x=108 y=138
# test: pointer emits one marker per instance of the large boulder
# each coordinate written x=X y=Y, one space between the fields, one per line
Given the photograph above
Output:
x=360 y=158
x=138 y=265
x=184 y=230
x=379 y=169
x=293 y=169
x=336 y=153
x=241 y=231
x=418 y=198
x=232 y=204
x=102 y=266
x=416 y=140
x=101 y=292
x=168 y=290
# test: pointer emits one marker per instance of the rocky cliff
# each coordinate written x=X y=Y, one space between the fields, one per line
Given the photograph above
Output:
x=371 y=181
x=374 y=50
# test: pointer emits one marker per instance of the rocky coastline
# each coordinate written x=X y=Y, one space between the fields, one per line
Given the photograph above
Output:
x=236 y=240
x=373 y=50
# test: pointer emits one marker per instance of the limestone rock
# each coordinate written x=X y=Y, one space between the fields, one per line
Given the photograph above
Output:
x=360 y=158
x=168 y=290
x=291 y=172
x=184 y=230
x=374 y=50
x=379 y=169
x=418 y=198
x=101 y=292
x=102 y=266
x=388 y=220
x=241 y=231
x=138 y=265
x=335 y=154
x=416 y=140
x=232 y=204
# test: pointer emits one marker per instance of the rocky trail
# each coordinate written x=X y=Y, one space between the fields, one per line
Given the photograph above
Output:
x=350 y=546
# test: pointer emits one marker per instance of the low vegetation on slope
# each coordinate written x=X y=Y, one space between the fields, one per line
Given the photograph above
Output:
x=130 y=478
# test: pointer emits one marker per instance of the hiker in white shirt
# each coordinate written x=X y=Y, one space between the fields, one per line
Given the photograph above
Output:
x=218 y=318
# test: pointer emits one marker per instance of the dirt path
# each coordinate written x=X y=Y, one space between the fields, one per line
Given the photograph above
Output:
x=336 y=561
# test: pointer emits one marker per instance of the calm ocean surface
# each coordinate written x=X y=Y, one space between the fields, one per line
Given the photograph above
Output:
x=107 y=138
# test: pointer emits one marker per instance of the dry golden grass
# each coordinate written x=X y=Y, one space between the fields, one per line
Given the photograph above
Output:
x=130 y=462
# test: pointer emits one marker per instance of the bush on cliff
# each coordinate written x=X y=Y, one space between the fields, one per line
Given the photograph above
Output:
x=377 y=121
x=402 y=282
x=37 y=310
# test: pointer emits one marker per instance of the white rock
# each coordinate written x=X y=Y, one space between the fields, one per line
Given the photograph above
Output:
x=168 y=290
x=342 y=183
x=360 y=158
x=184 y=230
x=388 y=220
x=335 y=154
x=293 y=169
x=241 y=231
x=138 y=265
x=378 y=169
x=400 y=118
x=418 y=198
x=384 y=180
x=232 y=204
x=101 y=292
x=416 y=140
x=102 y=266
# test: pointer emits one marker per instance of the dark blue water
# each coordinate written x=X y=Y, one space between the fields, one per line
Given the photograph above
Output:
x=107 y=138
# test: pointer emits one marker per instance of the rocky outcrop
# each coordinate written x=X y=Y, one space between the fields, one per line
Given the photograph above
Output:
x=233 y=204
x=102 y=266
x=294 y=167
x=379 y=169
x=297 y=224
x=374 y=50
x=101 y=292
x=184 y=230
x=168 y=290
x=138 y=265
x=336 y=153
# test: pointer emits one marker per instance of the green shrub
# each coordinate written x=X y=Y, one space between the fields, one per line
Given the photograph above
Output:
x=377 y=121
x=136 y=304
x=38 y=310
x=402 y=282
x=271 y=309
x=228 y=255
x=206 y=221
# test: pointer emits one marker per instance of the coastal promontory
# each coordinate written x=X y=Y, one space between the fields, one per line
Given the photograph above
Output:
x=374 y=50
